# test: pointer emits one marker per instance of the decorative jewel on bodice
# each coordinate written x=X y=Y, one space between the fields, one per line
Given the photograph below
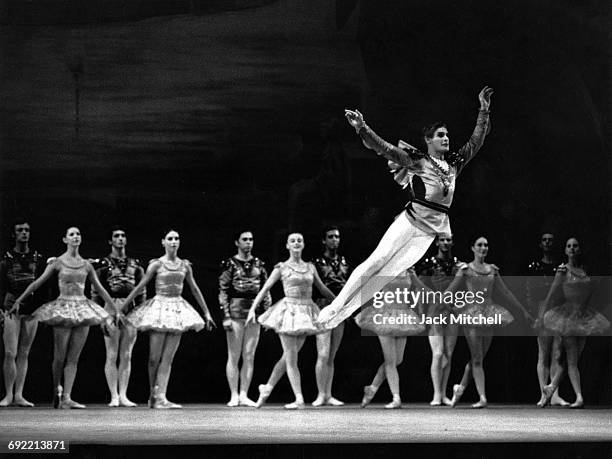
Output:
x=442 y=170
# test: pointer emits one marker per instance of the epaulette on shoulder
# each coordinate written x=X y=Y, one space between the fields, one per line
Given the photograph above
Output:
x=225 y=263
x=51 y=260
x=136 y=261
x=8 y=255
x=37 y=256
x=320 y=261
x=258 y=261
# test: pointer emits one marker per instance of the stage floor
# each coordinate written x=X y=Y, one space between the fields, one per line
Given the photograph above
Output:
x=217 y=424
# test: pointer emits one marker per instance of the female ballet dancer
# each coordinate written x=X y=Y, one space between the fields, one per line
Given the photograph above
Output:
x=293 y=317
x=430 y=178
x=382 y=320
x=70 y=314
x=573 y=320
x=483 y=278
x=438 y=272
x=167 y=315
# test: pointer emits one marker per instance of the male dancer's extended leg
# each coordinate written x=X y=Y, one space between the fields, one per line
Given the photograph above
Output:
x=400 y=248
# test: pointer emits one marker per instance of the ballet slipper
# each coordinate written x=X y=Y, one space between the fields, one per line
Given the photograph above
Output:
x=114 y=403
x=542 y=402
x=333 y=401
x=234 y=401
x=395 y=404
x=6 y=401
x=295 y=406
x=264 y=393
x=446 y=401
x=368 y=394
x=435 y=403
x=172 y=406
x=126 y=402
x=319 y=401
x=22 y=402
x=479 y=404
x=578 y=404
x=243 y=400
x=457 y=393
x=69 y=404
x=558 y=401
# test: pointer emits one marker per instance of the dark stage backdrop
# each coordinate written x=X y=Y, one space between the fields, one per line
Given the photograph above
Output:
x=219 y=118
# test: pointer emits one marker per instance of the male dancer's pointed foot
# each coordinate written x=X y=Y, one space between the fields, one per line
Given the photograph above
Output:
x=446 y=401
x=368 y=394
x=244 y=400
x=457 y=393
x=264 y=393
x=22 y=402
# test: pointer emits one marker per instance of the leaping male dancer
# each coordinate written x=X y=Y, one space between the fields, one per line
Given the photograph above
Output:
x=430 y=178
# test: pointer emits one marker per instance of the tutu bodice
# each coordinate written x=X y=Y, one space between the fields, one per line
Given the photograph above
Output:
x=169 y=280
x=297 y=284
x=577 y=290
x=476 y=281
x=71 y=281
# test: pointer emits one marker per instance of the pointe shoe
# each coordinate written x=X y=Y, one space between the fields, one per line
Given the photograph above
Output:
x=295 y=406
x=69 y=404
x=368 y=395
x=548 y=392
x=457 y=393
x=264 y=393
x=57 y=397
x=153 y=398
x=479 y=404
x=395 y=404
x=22 y=403
x=127 y=403
x=243 y=400
x=333 y=401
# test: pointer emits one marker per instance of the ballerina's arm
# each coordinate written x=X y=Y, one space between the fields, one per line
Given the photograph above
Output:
x=151 y=271
x=505 y=291
x=48 y=272
x=327 y=293
x=554 y=288
x=274 y=277
x=197 y=294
